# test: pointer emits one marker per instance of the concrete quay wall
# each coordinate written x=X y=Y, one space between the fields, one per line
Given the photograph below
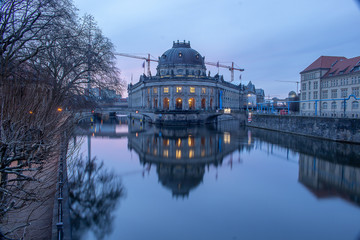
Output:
x=336 y=129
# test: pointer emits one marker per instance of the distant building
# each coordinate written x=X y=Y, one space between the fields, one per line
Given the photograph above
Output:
x=330 y=86
x=252 y=96
x=181 y=84
x=104 y=94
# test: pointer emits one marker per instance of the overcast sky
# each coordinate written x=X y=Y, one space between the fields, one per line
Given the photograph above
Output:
x=272 y=40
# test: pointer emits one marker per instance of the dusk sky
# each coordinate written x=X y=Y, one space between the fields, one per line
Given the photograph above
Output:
x=272 y=40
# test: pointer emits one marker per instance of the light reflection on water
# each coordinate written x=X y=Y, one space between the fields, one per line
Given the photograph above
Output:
x=225 y=181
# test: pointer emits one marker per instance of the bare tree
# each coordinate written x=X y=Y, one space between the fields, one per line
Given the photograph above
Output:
x=23 y=25
x=48 y=56
x=83 y=57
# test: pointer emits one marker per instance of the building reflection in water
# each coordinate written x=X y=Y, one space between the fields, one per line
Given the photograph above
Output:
x=326 y=168
x=328 y=179
x=182 y=154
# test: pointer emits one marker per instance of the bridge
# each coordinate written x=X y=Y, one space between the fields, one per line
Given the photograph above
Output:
x=163 y=117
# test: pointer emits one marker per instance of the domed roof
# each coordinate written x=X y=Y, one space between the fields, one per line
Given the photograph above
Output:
x=181 y=53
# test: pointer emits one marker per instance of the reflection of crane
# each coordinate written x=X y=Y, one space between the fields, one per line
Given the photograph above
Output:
x=297 y=85
x=148 y=60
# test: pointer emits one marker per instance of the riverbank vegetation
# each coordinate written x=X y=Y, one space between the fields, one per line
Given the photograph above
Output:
x=49 y=58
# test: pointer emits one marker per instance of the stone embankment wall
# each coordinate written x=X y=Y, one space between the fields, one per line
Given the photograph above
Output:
x=336 y=129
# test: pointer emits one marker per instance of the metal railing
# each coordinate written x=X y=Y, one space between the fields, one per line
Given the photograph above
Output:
x=60 y=197
x=272 y=109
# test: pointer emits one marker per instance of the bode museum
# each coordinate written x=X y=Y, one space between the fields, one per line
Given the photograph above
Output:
x=181 y=84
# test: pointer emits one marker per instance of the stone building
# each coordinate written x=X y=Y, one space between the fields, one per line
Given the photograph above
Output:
x=330 y=87
x=181 y=83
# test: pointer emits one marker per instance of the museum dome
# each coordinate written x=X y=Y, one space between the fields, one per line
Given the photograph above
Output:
x=181 y=59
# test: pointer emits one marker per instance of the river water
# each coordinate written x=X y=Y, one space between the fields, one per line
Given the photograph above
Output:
x=221 y=181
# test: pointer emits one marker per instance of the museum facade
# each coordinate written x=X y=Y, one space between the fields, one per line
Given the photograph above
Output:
x=182 y=84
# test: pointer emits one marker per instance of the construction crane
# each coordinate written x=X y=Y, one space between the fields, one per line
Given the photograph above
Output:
x=231 y=68
x=297 y=84
x=148 y=60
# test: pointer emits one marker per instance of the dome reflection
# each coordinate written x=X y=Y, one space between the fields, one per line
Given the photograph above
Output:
x=181 y=154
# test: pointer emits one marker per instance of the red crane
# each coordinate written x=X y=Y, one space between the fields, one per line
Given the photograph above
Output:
x=148 y=60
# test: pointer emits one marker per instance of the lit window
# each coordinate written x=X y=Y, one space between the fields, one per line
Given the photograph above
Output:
x=180 y=54
x=178 y=89
x=191 y=141
x=178 y=154
x=148 y=90
x=191 y=153
x=192 y=90
x=203 y=90
x=178 y=142
x=166 y=153
x=166 y=90
x=226 y=137
x=155 y=90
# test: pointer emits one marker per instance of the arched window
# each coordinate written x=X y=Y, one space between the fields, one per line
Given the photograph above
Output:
x=178 y=104
x=155 y=103
x=325 y=105
x=211 y=103
x=191 y=103
x=203 y=103
x=355 y=105
x=166 y=104
x=333 y=105
x=342 y=105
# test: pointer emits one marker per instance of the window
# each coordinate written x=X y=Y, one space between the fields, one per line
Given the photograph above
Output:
x=316 y=85
x=309 y=85
x=355 y=91
x=333 y=105
x=355 y=105
x=303 y=87
x=303 y=106
x=334 y=93
x=303 y=96
x=155 y=90
x=203 y=90
x=344 y=92
x=192 y=90
x=315 y=94
x=325 y=105
x=324 y=94
x=148 y=90
x=166 y=90
x=178 y=89
x=211 y=90
x=342 y=104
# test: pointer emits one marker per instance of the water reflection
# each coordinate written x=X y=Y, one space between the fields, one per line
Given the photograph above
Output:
x=326 y=168
x=181 y=154
x=94 y=194
x=264 y=192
